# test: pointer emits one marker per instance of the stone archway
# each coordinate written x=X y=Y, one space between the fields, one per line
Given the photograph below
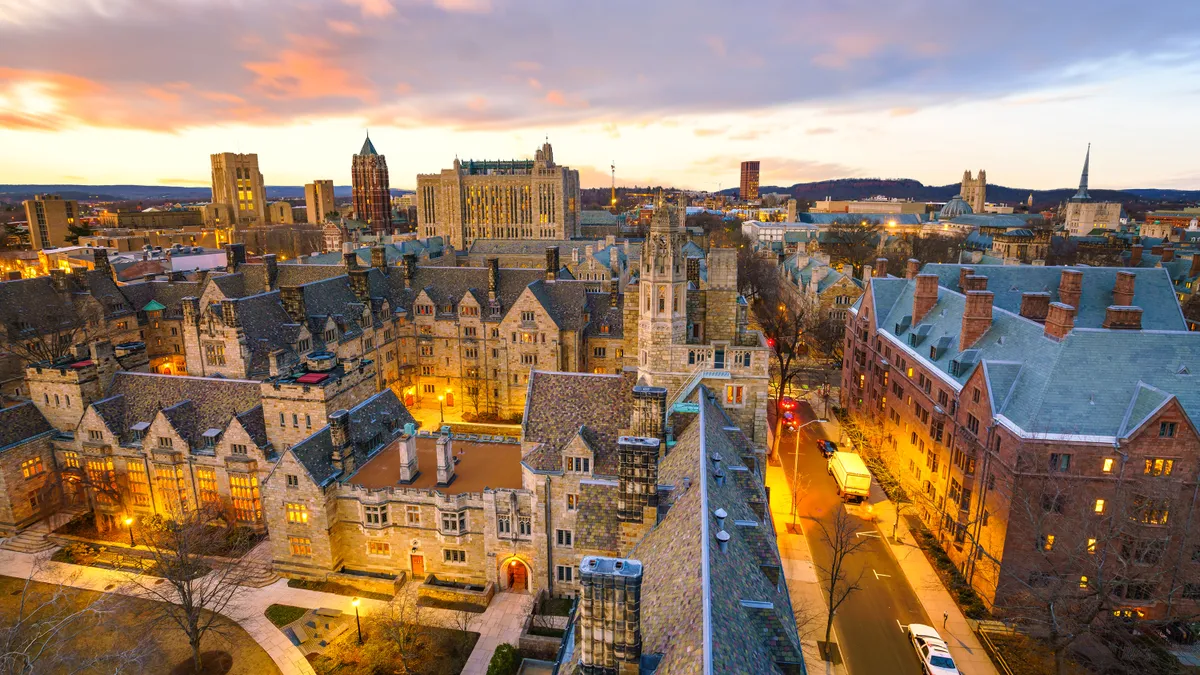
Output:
x=515 y=575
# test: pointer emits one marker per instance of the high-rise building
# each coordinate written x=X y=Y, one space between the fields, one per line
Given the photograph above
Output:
x=749 y=189
x=974 y=190
x=318 y=198
x=49 y=217
x=372 y=199
x=504 y=199
x=238 y=184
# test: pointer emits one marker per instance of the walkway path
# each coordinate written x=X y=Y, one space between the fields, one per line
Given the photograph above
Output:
x=500 y=623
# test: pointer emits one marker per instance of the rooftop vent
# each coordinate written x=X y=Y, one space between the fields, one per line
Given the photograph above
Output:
x=723 y=541
x=1183 y=370
x=919 y=334
x=720 y=515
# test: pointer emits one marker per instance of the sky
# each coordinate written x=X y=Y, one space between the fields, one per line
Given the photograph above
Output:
x=674 y=92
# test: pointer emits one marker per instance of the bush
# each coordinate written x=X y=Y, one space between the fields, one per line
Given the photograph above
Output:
x=80 y=554
x=505 y=660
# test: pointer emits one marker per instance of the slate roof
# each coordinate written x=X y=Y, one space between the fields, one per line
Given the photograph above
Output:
x=35 y=302
x=191 y=404
x=829 y=218
x=564 y=301
x=168 y=294
x=373 y=423
x=21 y=423
x=267 y=328
x=597 y=527
x=997 y=219
x=559 y=404
x=601 y=313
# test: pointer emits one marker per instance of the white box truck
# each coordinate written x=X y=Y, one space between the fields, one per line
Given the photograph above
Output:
x=853 y=479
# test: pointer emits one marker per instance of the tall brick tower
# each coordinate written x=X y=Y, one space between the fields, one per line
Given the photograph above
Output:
x=372 y=199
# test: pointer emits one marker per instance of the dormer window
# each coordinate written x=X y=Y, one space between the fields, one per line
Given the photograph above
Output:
x=579 y=464
x=95 y=435
x=304 y=346
x=331 y=335
x=166 y=442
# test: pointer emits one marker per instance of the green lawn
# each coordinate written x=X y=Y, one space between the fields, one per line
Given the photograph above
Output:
x=282 y=615
x=125 y=626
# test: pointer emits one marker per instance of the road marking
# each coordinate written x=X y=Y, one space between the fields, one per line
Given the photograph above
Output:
x=873 y=535
x=900 y=625
x=877 y=576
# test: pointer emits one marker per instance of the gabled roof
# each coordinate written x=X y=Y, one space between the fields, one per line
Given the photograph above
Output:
x=21 y=423
x=373 y=423
x=190 y=404
x=558 y=404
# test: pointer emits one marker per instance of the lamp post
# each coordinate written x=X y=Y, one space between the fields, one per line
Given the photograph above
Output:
x=796 y=468
x=129 y=524
x=441 y=411
x=357 y=621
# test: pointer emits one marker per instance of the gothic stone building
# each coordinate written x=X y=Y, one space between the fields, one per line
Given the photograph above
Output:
x=1043 y=418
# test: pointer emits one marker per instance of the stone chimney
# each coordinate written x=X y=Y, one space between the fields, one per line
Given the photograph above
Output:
x=925 y=296
x=1157 y=249
x=60 y=280
x=963 y=273
x=1070 y=287
x=276 y=362
x=342 y=455
x=410 y=269
x=379 y=258
x=292 y=298
x=235 y=254
x=493 y=267
x=1059 y=320
x=191 y=310
x=350 y=259
x=1123 y=288
x=360 y=283
x=100 y=260
x=637 y=477
x=272 y=269
x=407 y=449
x=1034 y=306
x=1122 y=318
x=912 y=268
x=552 y=265
x=977 y=318
x=881 y=267
x=614 y=290
x=693 y=271
x=1168 y=254
x=610 y=616
x=649 y=412
x=229 y=313
x=445 y=460
x=1135 y=256
x=975 y=282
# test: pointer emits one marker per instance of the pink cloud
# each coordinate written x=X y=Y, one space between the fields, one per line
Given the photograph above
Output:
x=372 y=8
x=477 y=103
x=296 y=74
x=342 y=27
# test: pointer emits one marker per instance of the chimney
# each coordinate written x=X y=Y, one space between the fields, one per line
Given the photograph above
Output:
x=407 y=449
x=100 y=260
x=1156 y=249
x=552 y=265
x=292 y=298
x=191 y=310
x=1195 y=269
x=1122 y=318
x=1123 y=288
x=60 y=280
x=976 y=282
x=1034 y=306
x=342 y=456
x=445 y=460
x=493 y=266
x=276 y=362
x=649 y=412
x=1059 y=320
x=912 y=268
x=977 y=318
x=1135 y=256
x=379 y=258
x=235 y=254
x=1070 y=287
x=614 y=290
x=1168 y=254
x=963 y=273
x=272 y=269
x=881 y=267
x=410 y=269
x=925 y=296
x=610 y=616
x=637 y=477
x=350 y=259
x=360 y=283
x=693 y=271
x=229 y=313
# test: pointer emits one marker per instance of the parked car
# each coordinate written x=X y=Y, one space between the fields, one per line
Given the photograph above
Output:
x=791 y=421
x=931 y=650
x=787 y=403
x=827 y=448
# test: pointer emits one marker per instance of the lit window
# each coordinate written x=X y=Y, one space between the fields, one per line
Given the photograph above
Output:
x=32 y=467
x=300 y=546
x=379 y=548
x=1047 y=542
x=206 y=480
x=1108 y=465
x=412 y=515
x=1099 y=508
x=572 y=502
x=297 y=513
x=734 y=394
x=1083 y=582
x=1091 y=546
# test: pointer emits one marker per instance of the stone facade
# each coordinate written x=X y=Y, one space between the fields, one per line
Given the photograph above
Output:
x=1083 y=217
x=517 y=199
x=237 y=184
x=974 y=190
x=318 y=200
x=28 y=482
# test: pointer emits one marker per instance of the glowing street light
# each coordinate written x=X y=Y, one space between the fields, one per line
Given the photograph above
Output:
x=357 y=621
x=441 y=411
x=129 y=524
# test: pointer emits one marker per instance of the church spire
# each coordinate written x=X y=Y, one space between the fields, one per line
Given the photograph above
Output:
x=1082 y=195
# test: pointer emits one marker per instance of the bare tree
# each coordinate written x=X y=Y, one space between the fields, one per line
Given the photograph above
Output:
x=48 y=333
x=460 y=620
x=784 y=327
x=843 y=542
x=853 y=243
x=199 y=588
x=396 y=629
x=827 y=337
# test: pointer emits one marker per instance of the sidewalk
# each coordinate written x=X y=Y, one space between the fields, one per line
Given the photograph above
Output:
x=964 y=645
x=500 y=623
x=803 y=586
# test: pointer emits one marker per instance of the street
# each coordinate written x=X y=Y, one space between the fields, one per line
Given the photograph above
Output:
x=869 y=623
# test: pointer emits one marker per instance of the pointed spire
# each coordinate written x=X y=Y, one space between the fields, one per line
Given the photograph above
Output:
x=1082 y=195
x=368 y=148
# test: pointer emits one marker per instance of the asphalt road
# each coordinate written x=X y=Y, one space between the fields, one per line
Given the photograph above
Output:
x=869 y=622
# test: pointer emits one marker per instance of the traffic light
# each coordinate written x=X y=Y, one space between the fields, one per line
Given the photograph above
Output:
x=771 y=342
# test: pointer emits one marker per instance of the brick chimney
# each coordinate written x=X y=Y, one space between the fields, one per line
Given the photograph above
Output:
x=1059 y=320
x=963 y=273
x=1157 y=249
x=1035 y=306
x=610 y=616
x=1122 y=318
x=406 y=448
x=614 y=290
x=976 y=319
x=911 y=268
x=229 y=313
x=350 y=259
x=1135 y=256
x=235 y=254
x=445 y=460
x=1123 y=288
x=1070 y=287
x=360 y=283
x=881 y=267
x=292 y=298
x=410 y=269
x=271 y=266
x=1168 y=254
x=925 y=296
x=552 y=265
x=976 y=282
x=100 y=260
x=1195 y=268
x=379 y=258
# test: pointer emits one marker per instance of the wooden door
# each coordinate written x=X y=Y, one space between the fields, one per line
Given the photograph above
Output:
x=516 y=577
x=418 y=567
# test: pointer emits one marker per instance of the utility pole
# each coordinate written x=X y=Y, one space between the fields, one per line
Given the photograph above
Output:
x=613 y=202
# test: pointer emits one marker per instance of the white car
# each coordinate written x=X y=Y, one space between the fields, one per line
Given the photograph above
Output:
x=932 y=650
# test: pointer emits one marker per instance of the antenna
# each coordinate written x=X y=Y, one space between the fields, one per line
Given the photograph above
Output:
x=613 y=167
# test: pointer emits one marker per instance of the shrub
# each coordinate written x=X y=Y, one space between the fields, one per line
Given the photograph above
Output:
x=80 y=554
x=505 y=660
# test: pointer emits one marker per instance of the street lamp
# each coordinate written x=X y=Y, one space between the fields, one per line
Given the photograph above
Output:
x=357 y=621
x=129 y=524
x=796 y=468
x=441 y=411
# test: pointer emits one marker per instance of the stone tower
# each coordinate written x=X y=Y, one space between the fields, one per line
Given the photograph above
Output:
x=610 y=616
x=974 y=190
x=663 y=286
x=372 y=198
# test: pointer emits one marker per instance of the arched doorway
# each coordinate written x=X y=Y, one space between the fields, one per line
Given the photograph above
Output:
x=516 y=576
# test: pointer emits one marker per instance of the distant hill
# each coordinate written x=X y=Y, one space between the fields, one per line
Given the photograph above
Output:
x=18 y=193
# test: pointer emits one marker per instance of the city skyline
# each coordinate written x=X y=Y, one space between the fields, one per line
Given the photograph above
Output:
x=811 y=93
